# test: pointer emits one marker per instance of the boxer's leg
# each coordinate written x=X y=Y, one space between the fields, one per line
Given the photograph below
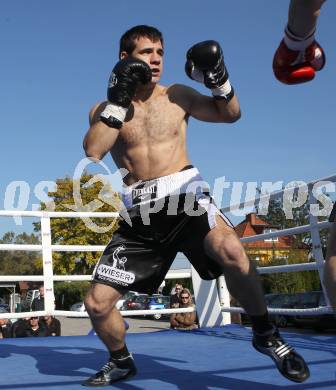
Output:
x=106 y=320
x=330 y=264
x=110 y=327
x=223 y=245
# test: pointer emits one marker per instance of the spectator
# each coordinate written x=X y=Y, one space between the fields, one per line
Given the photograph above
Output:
x=20 y=327
x=35 y=328
x=174 y=298
x=52 y=325
x=5 y=328
x=184 y=321
x=38 y=303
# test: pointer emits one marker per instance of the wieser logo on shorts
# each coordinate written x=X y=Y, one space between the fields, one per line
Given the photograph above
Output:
x=116 y=272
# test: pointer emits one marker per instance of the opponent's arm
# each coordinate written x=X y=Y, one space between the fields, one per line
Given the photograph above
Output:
x=106 y=119
x=205 y=64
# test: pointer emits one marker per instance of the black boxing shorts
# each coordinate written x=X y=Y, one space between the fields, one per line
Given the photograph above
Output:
x=332 y=217
x=162 y=217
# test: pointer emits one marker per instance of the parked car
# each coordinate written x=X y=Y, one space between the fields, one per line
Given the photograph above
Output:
x=318 y=322
x=272 y=301
x=129 y=295
x=78 y=306
x=137 y=302
x=281 y=301
x=277 y=301
x=5 y=306
x=4 y=310
x=156 y=302
x=304 y=300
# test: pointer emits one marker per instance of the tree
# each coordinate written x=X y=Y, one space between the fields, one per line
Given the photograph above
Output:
x=293 y=281
x=88 y=193
x=277 y=217
x=20 y=262
x=68 y=293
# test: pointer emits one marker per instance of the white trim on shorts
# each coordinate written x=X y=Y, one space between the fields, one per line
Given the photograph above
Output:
x=174 y=184
x=181 y=182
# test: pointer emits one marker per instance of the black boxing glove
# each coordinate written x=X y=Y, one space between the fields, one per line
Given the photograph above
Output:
x=205 y=64
x=122 y=84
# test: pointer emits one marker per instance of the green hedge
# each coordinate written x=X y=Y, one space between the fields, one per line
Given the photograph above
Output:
x=68 y=293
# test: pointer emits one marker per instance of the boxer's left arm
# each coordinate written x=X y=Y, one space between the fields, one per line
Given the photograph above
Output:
x=205 y=108
x=205 y=64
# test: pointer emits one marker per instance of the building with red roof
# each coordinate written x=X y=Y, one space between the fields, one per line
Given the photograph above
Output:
x=266 y=250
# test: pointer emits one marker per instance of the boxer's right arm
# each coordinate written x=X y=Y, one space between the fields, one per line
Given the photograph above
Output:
x=100 y=138
x=122 y=85
x=107 y=118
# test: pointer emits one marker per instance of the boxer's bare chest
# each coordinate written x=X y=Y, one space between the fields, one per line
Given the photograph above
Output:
x=154 y=121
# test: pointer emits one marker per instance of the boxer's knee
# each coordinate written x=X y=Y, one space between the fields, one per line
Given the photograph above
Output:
x=234 y=257
x=230 y=253
x=101 y=300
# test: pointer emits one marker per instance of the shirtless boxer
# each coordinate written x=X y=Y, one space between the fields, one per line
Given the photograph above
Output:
x=299 y=56
x=143 y=125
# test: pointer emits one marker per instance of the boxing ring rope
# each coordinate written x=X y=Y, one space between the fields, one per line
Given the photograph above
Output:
x=314 y=227
x=49 y=278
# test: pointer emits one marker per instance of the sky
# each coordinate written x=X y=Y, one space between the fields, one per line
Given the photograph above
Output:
x=56 y=58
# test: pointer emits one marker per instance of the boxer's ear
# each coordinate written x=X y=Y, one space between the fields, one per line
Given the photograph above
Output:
x=123 y=55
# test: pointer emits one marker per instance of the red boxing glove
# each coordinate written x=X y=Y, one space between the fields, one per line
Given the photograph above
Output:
x=297 y=66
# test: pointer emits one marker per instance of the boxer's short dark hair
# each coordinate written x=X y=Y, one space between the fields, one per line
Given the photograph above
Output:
x=128 y=40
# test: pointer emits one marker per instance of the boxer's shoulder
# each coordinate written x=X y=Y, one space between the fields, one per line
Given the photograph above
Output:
x=95 y=111
x=182 y=95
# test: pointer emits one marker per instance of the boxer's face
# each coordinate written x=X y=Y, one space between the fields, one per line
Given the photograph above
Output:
x=151 y=53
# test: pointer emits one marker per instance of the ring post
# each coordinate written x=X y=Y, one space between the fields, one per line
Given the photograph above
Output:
x=49 y=296
x=317 y=246
x=207 y=302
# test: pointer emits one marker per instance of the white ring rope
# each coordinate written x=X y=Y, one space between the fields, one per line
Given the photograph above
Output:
x=291 y=312
x=275 y=195
x=172 y=274
x=100 y=248
x=66 y=313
